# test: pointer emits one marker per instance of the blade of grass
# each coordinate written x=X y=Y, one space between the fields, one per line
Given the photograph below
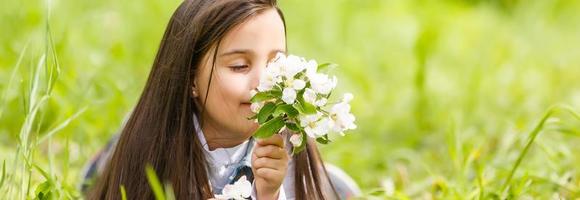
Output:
x=123 y=193
x=12 y=76
x=169 y=194
x=61 y=125
x=532 y=137
x=154 y=183
x=3 y=177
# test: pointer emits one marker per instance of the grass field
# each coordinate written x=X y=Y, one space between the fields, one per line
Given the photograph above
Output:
x=455 y=99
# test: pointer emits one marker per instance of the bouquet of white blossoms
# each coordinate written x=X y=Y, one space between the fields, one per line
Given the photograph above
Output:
x=294 y=93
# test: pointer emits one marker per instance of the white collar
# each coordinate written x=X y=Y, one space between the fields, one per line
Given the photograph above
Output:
x=220 y=165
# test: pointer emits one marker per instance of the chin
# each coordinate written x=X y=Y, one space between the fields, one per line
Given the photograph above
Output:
x=253 y=127
x=250 y=129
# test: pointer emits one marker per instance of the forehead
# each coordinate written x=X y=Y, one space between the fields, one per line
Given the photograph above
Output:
x=263 y=32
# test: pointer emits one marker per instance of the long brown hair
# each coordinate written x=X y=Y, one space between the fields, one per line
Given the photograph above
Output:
x=161 y=132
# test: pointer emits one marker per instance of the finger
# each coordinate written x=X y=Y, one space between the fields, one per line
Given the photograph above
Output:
x=275 y=139
x=269 y=174
x=270 y=163
x=271 y=151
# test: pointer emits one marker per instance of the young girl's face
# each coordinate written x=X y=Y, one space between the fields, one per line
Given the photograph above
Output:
x=242 y=56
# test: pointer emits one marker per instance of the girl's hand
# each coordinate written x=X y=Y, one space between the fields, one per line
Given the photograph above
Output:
x=269 y=165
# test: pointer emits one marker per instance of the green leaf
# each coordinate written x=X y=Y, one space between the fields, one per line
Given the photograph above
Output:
x=378 y=192
x=44 y=173
x=270 y=128
x=308 y=108
x=286 y=108
x=261 y=96
x=265 y=112
x=298 y=107
x=266 y=95
x=293 y=127
x=154 y=183
x=323 y=140
x=43 y=191
x=325 y=66
x=305 y=107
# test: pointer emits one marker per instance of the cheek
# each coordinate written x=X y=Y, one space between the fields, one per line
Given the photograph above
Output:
x=231 y=88
x=226 y=94
x=224 y=103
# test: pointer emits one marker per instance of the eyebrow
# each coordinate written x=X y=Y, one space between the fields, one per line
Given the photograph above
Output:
x=247 y=51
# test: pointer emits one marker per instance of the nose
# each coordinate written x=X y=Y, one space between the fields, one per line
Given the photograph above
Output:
x=257 y=74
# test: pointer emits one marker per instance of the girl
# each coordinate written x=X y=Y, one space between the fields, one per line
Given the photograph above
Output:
x=190 y=123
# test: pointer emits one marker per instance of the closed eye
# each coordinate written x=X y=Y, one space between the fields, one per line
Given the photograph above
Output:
x=238 y=68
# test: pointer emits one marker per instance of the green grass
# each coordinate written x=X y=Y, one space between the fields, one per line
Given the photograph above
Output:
x=454 y=99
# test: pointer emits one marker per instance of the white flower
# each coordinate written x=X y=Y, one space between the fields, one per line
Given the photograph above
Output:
x=271 y=76
x=295 y=84
x=311 y=97
x=315 y=125
x=274 y=69
x=286 y=76
x=320 y=102
x=341 y=118
x=321 y=83
x=307 y=120
x=311 y=67
x=347 y=97
x=296 y=140
x=253 y=92
x=267 y=82
x=292 y=65
x=321 y=128
x=255 y=107
x=289 y=95
x=241 y=189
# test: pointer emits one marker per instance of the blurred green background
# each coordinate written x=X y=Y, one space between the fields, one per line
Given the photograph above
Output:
x=447 y=92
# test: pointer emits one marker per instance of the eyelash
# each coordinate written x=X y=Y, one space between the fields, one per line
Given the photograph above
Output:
x=238 y=67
